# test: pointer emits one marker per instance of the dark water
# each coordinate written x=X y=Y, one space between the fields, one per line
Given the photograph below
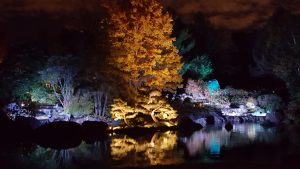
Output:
x=246 y=142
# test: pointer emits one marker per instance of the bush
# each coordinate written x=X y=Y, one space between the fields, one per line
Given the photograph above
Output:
x=201 y=65
x=197 y=89
x=81 y=104
x=42 y=95
x=219 y=101
x=229 y=91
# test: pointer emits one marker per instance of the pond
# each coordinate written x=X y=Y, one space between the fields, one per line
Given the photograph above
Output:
x=213 y=145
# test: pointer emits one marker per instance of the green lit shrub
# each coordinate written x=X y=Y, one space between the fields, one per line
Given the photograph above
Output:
x=201 y=65
x=81 y=104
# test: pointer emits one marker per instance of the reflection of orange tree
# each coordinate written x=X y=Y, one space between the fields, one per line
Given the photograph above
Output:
x=142 y=54
x=154 y=150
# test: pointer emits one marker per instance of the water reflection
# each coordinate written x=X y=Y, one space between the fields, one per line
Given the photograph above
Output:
x=37 y=157
x=212 y=139
x=147 y=149
x=157 y=149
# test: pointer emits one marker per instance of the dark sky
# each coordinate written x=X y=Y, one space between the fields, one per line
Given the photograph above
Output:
x=232 y=14
x=232 y=22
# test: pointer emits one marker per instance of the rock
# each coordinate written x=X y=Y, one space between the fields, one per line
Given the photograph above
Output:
x=59 y=135
x=218 y=118
x=188 y=124
x=259 y=112
x=42 y=116
x=275 y=117
x=202 y=121
x=78 y=120
x=238 y=120
x=15 y=110
x=234 y=106
x=3 y=117
x=12 y=107
x=59 y=117
x=8 y=131
x=94 y=126
x=94 y=131
x=31 y=122
x=228 y=126
x=210 y=120
x=234 y=111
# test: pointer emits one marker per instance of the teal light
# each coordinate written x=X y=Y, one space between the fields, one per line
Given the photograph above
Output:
x=215 y=148
x=213 y=85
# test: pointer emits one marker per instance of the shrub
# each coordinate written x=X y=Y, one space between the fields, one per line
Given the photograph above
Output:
x=197 y=89
x=43 y=95
x=81 y=104
x=201 y=65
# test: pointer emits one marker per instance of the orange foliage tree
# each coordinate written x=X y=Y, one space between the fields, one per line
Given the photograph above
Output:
x=142 y=48
x=142 y=54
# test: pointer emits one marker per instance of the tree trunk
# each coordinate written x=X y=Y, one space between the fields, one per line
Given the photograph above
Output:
x=153 y=116
x=125 y=120
x=104 y=105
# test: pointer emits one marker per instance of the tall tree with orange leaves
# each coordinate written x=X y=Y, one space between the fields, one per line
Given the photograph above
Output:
x=141 y=46
x=143 y=56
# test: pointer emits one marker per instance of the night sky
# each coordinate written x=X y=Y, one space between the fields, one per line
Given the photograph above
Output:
x=225 y=30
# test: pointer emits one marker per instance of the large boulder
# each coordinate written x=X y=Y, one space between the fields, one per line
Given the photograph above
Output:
x=188 y=124
x=202 y=121
x=30 y=122
x=8 y=131
x=94 y=130
x=228 y=126
x=187 y=127
x=59 y=135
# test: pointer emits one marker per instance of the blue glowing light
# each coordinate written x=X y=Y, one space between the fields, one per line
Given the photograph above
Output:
x=213 y=85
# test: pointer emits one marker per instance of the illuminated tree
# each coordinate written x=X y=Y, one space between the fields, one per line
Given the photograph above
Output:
x=142 y=49
x=121 y=111
x=61 y=82
x=184 y=43
x=144 y=59
x=197 y=89
x=201 y=65
x=153 y=105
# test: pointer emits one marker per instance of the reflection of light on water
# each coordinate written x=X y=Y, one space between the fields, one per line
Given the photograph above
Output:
x=62 y=157
x=211 y=140
x=206 y=140
x=215 y=147
x=251 y=132
x=155 y=150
